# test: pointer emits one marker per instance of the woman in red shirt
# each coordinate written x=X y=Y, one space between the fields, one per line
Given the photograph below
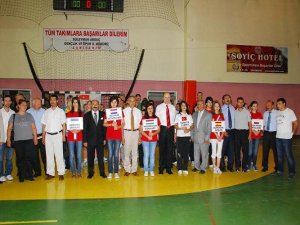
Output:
x=74 y=138
x=255 y=136
x=114 y=137
x=149 y=138
x=217 y=138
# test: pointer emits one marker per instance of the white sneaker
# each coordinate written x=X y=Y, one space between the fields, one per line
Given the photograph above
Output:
x=3 y=179
x=152 y=174
x=9 y=177
x=105 y=159
x=211 y=165
x=215 y=170
x=146 y=174
x=219 y=171
x=120 y=167
x=84 y=164
x=175 y=163
x=179 y=172
x=95 y=161
x=109 y=176
x=116 y=176
x=193 y=163
x=185 y=172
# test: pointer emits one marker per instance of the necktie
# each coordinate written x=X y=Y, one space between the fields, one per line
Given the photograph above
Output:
x=132 y=120
x=229 y=118
x=168 y=116
x=198 y=118
x=269 y=122
x=95 y=118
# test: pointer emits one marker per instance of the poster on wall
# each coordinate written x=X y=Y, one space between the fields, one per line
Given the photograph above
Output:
x=257 y=59
x=86 y=39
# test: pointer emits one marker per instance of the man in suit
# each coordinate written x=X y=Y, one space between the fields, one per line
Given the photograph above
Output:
x=200 y=136
x=166 y=114
x=94 y=138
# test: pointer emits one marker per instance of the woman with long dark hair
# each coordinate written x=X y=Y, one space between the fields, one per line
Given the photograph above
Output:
x=149 y=137
x=74 y=138
x=183 y=124
x=114 y=137
x=255 y=137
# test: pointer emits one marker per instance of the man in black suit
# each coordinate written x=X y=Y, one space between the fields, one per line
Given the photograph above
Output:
x=94 y=138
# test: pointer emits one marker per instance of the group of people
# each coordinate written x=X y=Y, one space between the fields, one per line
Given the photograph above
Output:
x=225 y=136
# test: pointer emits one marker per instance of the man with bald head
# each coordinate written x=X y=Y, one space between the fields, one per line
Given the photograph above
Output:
x=131 y=136
x=94 y=138
x=37 y=112
x=200 y=136
x=166 y=114
x=269 y=137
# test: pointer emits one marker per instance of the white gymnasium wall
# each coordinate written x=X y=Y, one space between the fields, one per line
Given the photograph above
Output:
x=162 y=40
x=214 y=23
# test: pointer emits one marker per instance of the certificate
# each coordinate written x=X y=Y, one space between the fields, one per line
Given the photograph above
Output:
x=218 y=126
x=184 y=122
x=257 y=124
x=75 y=123
x=113 y=114
x=150 y=124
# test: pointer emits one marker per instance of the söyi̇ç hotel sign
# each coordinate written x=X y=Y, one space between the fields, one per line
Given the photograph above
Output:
x=257 y=59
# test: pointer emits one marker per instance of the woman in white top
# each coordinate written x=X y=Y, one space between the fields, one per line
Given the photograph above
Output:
x=183 y=125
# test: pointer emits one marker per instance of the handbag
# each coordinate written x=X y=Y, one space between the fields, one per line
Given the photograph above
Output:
x=12 y=134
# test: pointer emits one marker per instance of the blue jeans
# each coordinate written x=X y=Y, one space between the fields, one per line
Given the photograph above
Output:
x=285 y=145
x=75 y=146
x=253 y=149
x=113 y=155
x=8 y=152
x=149 y=152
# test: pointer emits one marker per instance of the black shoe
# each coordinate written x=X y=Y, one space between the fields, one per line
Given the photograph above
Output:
x=231 y=170
x=202 y=171
x=277 y=174
x=103 y=176
x=90 y=176
x=21 y=180
x=195 y=170
x=264 y=170
x=161 y=172
x=30 y=179
x=223 y=169
x=37 y=174
x=169 y=172
x=291 y=176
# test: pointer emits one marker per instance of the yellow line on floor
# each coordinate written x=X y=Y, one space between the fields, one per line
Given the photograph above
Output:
x=29 y=222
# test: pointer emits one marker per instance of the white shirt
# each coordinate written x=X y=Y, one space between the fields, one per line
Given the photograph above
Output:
x=54 y=119
x=161 y=110
x=200 y=113
x=137 y=114
x=183 y=120
x=6 y=116
x=284 y=120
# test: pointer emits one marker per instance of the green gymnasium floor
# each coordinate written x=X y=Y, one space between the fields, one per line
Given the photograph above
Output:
x=264 y=201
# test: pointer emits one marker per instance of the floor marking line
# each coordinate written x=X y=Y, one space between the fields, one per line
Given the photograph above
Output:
x=210 y=213
x=28 y=222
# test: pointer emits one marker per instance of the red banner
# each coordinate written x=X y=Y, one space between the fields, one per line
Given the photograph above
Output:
x=257 y=59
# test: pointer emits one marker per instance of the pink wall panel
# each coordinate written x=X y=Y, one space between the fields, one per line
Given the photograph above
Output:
x=259 y=92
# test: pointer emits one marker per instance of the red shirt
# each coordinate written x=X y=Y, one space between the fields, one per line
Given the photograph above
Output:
x=256 y=115
x=154 y=138
x=70 y=135
x=111 y=133
x=217 y=117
